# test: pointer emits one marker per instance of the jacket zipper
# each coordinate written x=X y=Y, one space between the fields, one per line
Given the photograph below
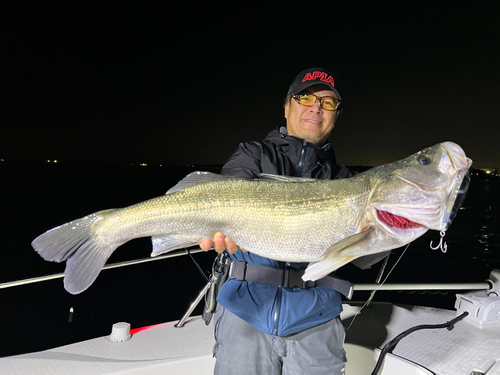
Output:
x=302 y=159
x=276 y=316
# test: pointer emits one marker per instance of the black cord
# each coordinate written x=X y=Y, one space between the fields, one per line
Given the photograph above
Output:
x=202 y=271
x=389 y=347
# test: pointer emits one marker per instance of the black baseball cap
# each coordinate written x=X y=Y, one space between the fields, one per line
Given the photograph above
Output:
x=315 y=76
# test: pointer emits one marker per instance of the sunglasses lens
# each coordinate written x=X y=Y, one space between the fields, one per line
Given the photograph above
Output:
x=306 y=99
x=327 y=102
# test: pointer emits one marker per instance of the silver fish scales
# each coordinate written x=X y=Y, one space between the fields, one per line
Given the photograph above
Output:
x=326 y=222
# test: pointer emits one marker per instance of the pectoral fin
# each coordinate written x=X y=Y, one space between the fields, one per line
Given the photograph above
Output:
x=332 y=260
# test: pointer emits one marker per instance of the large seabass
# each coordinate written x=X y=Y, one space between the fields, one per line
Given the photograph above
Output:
x=326 y=222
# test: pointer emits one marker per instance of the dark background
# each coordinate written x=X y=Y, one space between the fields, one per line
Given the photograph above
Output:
x=182 y=83
x=36 y=197
x=100 y=87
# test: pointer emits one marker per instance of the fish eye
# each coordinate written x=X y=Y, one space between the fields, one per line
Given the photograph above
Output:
x=424 y=160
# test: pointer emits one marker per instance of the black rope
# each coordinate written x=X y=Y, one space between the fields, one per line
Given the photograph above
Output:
x=389 y=347
x=203 y=272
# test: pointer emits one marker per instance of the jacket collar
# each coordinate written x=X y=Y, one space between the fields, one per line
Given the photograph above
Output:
x=291 y=144
x=281 y=133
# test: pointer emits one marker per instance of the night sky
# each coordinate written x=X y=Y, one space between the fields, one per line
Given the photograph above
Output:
x=150 y=82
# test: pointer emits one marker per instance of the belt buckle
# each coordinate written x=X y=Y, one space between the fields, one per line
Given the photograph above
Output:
x=292 y=278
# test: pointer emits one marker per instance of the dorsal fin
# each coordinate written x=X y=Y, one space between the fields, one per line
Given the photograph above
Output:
x=196 y=178
x=277 y=177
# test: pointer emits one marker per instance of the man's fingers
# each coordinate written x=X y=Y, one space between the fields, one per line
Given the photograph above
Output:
x=231 y=245
x=220 y=243
x=206 y=245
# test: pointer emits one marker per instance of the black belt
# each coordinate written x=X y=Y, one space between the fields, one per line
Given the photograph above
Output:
x=287 y=278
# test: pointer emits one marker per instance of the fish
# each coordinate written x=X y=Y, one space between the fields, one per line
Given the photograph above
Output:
x=327 y=223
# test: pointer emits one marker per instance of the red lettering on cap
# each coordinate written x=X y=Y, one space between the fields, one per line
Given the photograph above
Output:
x=321 y=75
x=330 y=81
x=307 y=77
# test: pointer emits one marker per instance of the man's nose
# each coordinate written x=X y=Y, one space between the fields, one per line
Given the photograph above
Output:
x=316 y=107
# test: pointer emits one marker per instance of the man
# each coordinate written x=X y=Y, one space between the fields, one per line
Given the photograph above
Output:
x=264 y=327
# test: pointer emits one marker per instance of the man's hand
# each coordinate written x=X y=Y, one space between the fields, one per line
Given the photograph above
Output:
x=220 y=243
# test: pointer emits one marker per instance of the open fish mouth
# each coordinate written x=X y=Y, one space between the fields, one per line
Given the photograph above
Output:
x=396 y=221
x=427 y=214
x=399 y=226
x=434 y=212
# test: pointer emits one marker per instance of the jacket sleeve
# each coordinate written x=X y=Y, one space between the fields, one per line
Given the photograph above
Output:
x=245 y=162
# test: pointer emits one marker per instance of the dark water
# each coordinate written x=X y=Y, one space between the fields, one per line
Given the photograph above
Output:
x=37 y=197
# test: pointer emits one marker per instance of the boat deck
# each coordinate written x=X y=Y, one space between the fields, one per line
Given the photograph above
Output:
x=463 y=350
x=188 y=350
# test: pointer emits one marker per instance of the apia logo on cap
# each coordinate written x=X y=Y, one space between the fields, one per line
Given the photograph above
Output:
x=325 y=77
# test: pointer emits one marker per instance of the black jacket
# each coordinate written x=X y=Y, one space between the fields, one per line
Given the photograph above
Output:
x=280 y=153
x=273 y=310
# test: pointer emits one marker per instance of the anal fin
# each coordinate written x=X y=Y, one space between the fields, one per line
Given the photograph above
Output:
x=164 y=244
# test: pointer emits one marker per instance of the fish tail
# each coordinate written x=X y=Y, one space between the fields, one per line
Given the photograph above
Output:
x=79 y=244
x=320 y=269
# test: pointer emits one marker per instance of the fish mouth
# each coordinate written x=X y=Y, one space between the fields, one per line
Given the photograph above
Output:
x=395 y=221
x=425 y=213
x=454 y=158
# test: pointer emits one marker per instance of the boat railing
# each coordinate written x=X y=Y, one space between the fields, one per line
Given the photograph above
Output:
x=32 y=280
x=431 y=286
x=366 y=287
x=488 y=285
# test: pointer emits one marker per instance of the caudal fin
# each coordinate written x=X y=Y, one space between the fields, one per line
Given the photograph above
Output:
x=77 y=244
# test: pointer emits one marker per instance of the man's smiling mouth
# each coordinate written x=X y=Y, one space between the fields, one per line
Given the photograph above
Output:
x=313 y=121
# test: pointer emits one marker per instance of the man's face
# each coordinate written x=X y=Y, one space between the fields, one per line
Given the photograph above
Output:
x=313 y=124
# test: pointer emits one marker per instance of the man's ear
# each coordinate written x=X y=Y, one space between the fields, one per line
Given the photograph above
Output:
x=287 y=107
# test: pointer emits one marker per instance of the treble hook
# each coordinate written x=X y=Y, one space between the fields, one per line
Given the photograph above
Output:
x=441 y=245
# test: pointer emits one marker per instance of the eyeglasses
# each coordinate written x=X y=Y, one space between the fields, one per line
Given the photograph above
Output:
x=328 y=103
